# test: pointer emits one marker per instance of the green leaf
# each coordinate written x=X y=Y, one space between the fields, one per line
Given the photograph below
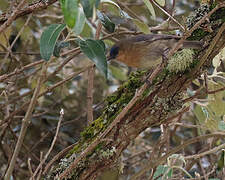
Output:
x=106 y=22
x=176 y=159
x=221 y=161
x=95 y=51
x=221 y=125
x=79 y=26
x=199 y=114
x=150 y=8
x=170 y=173
x=88 y=7
x=70 y=10
x=161 y=2
x=48 y=40
x=118 y=73
x=160 y=171
x=141 y=26
x=97 y=2
x=111 y=2
x=217 y=103
x=206 y=118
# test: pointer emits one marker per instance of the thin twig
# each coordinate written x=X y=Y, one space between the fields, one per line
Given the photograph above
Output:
x=23 y=145
x=25 y=53
x=18 y=71
x=52 y=145
x=12 y=17
x=25 y=124
x=211 y=47
x=64 y=63
x=129 y=10
x=17 y=36
x=189 y=32
x=162 y=159
x=163 y=10
x=59 y=155
x=184 y=110
x=199 y=93
x=52 y=74
x=90 y=88
x=214 y=150
x=71 y=76
x=90 y=95
x=29 y=167
x=27 y=10
x=216 y=91
x=39 y=174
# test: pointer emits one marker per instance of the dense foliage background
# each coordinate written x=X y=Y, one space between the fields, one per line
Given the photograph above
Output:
x=67 y=85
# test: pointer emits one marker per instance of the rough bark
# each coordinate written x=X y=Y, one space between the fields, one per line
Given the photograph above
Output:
x=157 y=104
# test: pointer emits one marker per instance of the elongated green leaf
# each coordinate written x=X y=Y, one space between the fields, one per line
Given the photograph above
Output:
x=150 y=7
x=221 y=161
x=80 y=21
x=217 y=103
x=111 y=2
x=97 y=2
x=70 y=10
x=95 y=51
x=141 y=26
x=48 y=40
x=161 y=2
x=88 y=7
x=170 y=173
x=106 y=22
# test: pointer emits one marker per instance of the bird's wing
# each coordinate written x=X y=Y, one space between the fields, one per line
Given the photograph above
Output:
x=153 y=37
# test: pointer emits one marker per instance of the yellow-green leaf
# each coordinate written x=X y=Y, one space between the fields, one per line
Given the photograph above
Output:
x=161 y=2
x=141 y=26
x=150 y=8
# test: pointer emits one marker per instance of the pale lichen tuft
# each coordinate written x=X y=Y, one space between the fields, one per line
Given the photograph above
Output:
x=181 y=61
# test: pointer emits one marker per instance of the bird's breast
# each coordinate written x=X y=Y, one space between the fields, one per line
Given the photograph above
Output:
x=143 y=54
x=131 y=57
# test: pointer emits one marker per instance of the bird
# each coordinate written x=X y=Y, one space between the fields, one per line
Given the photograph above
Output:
x=146 y=51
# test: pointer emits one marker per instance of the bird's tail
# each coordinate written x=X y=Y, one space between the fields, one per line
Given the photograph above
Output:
x=193 y=44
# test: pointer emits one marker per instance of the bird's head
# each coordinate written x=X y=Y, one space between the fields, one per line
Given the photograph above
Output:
x=114 y=52
x=126 y=52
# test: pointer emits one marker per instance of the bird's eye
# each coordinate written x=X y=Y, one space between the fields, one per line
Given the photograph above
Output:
x=114 y=52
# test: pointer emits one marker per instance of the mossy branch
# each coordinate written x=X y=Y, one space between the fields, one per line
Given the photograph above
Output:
x=103 y=141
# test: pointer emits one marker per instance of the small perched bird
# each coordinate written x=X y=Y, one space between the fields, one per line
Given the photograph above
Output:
x=146 y=51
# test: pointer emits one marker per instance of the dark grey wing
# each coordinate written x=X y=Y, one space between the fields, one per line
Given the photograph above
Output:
x=153 y=37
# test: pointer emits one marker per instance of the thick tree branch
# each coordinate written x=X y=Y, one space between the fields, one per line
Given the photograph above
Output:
x=103 y=141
